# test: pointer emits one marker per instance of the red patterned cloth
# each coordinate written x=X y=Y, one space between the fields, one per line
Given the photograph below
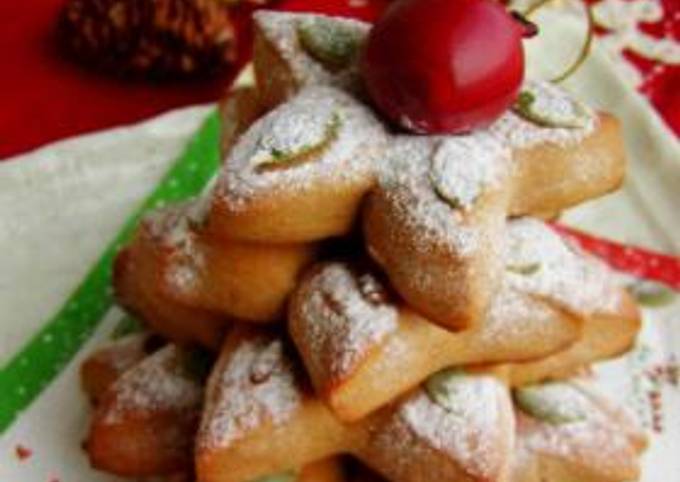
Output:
x=662 y=81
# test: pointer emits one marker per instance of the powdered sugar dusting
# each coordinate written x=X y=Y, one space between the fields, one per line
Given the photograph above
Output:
x=405 y=178
x=511 y=317
x=540 y=262
x=463 y=167
x=344 y=314
x=256 y=384
x=421 y=228
x=346 y=157
x=160 y=382
x=520 y=133
x=174 y=227
x=470 y=429
x=280 y=30
x=593 y=437
x=552 y=402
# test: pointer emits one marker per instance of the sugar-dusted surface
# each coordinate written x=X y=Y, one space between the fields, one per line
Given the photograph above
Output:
x=160 y=382
x=469 y=429
x=518 y=133
x=463 y=167
x=406 y=180
x=432 y=249
x=553 y=402
x=593 y=439
x=540 y=262
x=545 y=103
x=173 y=228
x=281 y=31
x=172 y=225
x=344 y=313
x=346 y=157
x=255 y=384
x=512 y=317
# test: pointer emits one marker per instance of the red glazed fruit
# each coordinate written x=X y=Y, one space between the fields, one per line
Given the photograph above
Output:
x=444 y=66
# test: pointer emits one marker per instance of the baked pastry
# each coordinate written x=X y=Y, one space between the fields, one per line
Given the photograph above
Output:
x=228 y=279
x=444 y=260
x=435 y=221
x=106 y=364
x=296 y=50
x=258 y=403
x=557 y=309
x=248 y=282
x=138 y=287
x=414 y=371
x=238 y=110
x=603 y=337
x=567 y=431
x=564 y=431
x=145 y=422
x=563 y=161
x=457 y=426
x=298 y=173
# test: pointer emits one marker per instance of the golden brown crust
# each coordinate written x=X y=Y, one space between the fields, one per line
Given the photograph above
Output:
x=283 y=183
x=274 y=77
x=558 y=310
x=143 y=445
x=551 y=177
x=388 y=363
x=105 y=365
x=138 y=284
x=244 y=281
x=283 y=66
x=312 y=429
x=321 y=211
x=450 y=281
x=595 y=441
x=605 y=335
x=145 y=423
x=189 y=288
x=391 y=440
x=133 y=438
x=237 y=110
x=433 y=277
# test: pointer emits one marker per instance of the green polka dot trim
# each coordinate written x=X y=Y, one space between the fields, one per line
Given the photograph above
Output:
x=47 y=353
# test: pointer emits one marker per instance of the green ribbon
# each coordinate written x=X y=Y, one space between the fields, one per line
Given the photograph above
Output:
x=44 y=357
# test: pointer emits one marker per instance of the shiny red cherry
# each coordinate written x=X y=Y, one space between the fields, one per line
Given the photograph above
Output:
x=444 y=66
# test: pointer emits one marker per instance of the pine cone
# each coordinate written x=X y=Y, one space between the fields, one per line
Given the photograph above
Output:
x=157 y=38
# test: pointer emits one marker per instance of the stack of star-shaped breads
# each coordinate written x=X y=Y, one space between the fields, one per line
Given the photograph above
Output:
x=345 y=289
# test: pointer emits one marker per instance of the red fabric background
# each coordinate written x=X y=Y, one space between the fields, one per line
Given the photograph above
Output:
x=46 y=97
